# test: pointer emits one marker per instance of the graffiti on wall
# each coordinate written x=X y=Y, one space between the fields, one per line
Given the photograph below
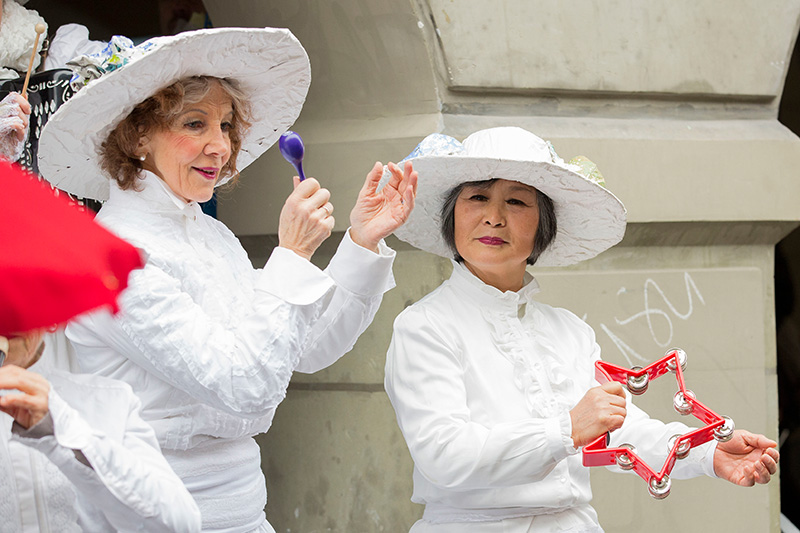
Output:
x=658 y=311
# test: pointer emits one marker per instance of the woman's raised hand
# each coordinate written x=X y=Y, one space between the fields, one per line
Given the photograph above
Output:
x=29 y=405
x=746 y=459
x=306 y=218
x=600 y=410
x=378 y=213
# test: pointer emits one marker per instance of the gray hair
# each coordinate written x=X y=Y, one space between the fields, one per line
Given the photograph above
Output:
x=545 y=233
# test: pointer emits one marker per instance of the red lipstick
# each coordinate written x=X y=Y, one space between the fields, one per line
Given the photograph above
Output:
x=207 y=172
x=492 y=241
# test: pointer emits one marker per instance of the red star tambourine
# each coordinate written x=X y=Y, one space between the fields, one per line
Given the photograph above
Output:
x=637 y=379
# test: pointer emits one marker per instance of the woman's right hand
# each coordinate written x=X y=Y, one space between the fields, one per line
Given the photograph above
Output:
x=600 y=410
x=31 y=404
x=306 y=218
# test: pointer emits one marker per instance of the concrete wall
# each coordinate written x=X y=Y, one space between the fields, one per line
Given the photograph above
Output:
x=675 y=101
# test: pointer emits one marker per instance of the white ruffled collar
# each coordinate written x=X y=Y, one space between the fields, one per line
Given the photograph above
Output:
x=487 y=295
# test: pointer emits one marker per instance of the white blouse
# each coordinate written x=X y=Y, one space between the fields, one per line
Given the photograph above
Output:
x=482 y=383
x=209 y=343
x=92 y=465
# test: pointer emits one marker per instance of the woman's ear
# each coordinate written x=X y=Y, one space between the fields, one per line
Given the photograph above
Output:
x=143 y=148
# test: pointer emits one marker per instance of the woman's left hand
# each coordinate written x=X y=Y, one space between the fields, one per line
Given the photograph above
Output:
x=746 y=459
x=32 y=405
x=14 y=113
x=377 y=214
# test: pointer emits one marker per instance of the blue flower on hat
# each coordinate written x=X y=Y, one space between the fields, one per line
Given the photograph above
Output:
x=436 y=144
x=116 y=54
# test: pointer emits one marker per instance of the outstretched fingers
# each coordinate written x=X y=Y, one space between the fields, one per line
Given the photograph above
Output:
x=373 y=179
x=404 y=182
x=410 y=195
x=410 y=178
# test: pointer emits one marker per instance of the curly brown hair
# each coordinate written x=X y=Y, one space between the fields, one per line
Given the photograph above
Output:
x=118 y=153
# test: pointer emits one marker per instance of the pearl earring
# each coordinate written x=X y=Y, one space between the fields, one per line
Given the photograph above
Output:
x=142 y=157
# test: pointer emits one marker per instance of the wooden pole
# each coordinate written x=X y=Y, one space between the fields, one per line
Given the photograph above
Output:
x=39 y=31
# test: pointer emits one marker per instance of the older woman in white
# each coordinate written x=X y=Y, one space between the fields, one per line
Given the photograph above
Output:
x=494 y=392
x=208 y=342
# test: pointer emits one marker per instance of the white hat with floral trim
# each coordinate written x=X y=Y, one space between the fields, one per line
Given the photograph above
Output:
x=590 y=219
x=269 y=64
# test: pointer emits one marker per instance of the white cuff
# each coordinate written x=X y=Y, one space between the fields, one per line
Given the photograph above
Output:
x=559 y=436
x=62 y=427
x=293 y=279
x=362 y=271
x=708 y=461
x=69 y=428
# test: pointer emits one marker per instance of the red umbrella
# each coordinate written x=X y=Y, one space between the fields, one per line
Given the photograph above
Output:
x=55 y=260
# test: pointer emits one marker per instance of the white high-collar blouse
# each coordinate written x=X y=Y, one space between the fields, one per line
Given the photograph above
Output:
x=482 y=382
x=209 y=343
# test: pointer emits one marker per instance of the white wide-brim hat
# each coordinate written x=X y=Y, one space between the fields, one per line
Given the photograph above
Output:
x=590 y=219
x=269 y=64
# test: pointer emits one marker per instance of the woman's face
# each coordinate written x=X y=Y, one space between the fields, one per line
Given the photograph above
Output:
x=495 y=226
x=190 y=153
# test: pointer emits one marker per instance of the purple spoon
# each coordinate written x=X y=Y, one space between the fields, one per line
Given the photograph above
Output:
x=292 y=149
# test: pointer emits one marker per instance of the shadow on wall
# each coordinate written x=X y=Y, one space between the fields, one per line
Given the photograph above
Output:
x=787 y=321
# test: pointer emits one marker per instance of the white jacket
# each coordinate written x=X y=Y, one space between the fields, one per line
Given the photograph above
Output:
x=209 y=343
x=92 y=465
x=482 y=383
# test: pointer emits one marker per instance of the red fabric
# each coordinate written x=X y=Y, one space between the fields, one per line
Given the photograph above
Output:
x=55 y=260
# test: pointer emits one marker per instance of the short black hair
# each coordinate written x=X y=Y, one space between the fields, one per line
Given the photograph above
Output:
x=545 y=233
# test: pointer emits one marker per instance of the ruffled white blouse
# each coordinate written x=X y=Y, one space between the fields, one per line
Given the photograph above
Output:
x=209 y=343
x=482 y=382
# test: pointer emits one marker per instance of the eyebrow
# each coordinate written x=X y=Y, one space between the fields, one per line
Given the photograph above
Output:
x=487 y=184
x=522 y=188
x=193 y=110
x=198 y=110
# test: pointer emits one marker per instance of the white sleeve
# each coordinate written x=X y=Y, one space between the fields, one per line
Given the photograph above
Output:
x=424 y=381
x=298 y=313
x=361 y=277
x=651 y=439
x=129 y=482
